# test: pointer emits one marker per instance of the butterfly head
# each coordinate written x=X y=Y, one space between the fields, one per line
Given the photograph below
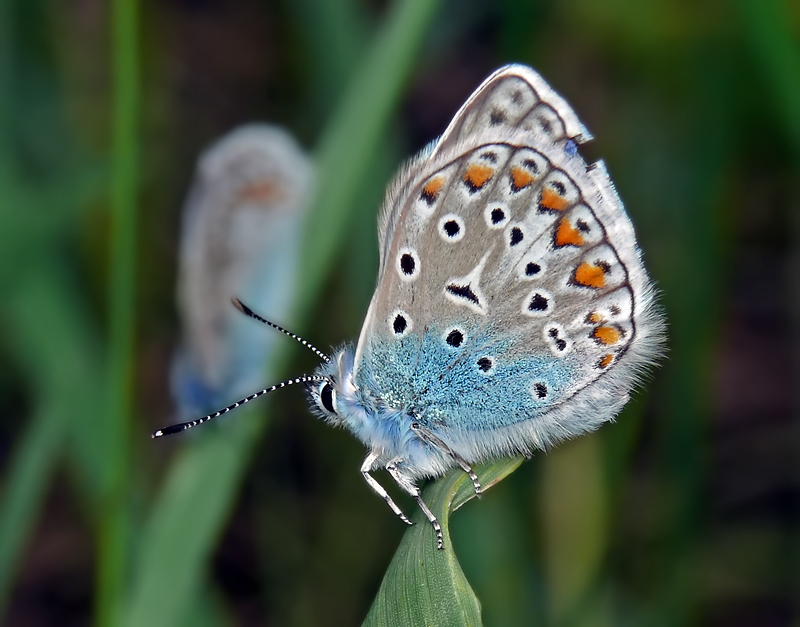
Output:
x=331 y=394
x=340 y=401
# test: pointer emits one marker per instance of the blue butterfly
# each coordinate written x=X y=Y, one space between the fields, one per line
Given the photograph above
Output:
x=512 y=310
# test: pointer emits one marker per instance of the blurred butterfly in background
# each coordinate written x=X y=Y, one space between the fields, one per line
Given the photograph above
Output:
x=241 y=234
x=512 y=309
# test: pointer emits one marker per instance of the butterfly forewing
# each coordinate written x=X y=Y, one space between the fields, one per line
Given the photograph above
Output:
x=514 y=97
x=502 y=293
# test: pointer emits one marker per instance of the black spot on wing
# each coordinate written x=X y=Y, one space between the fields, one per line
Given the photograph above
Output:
x=455 y=338
x=532 y=269
x=399 y=324
x=408 y=264
x=463 y=291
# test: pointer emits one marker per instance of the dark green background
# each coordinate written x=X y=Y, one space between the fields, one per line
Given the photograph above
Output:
x=684 y=512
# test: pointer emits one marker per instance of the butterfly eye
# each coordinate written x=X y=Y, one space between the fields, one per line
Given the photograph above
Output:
x=327 y=398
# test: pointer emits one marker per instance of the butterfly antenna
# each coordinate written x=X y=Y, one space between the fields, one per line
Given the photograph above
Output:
x=183 y=426
x=252 y=314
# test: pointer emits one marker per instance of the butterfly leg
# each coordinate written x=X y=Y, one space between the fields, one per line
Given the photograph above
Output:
x=409 y=486
x=427 y=436
x=366 y=467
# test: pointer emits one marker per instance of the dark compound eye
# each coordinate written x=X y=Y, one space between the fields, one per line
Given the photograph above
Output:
x=455 y=338
x=326 y=397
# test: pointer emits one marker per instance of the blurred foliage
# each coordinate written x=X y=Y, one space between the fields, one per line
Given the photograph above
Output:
x=685 y=511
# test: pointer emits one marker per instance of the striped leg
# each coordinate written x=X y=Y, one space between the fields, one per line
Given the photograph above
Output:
x=409 y=486
x=366 y=467
x=427 y=436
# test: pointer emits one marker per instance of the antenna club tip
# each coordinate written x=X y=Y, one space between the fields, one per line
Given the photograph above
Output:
x=157 y=434
x=244 y=308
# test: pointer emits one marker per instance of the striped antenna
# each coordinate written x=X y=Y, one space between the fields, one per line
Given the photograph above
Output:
x=183 y=426
x=249 y=312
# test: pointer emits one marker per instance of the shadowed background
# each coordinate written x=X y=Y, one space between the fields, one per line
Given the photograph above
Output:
x=685 y=511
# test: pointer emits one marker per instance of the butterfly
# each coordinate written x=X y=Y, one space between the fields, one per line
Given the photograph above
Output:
x=512 y=309
x=241 y=232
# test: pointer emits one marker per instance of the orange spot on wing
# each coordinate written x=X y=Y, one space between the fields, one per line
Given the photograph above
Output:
x=606 y=361
x=594 y=318
x=432 y=188
x=607 y=335
x=568 y=235
x=261 y=191
x=477 y=175
x=590 y=275
x=520 y=178
x=552 y=200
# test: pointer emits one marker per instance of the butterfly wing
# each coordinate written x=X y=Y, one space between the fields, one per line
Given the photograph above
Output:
x=512 y=307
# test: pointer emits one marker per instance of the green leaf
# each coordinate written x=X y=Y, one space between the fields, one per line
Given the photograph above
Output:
x=425 y=586
x=115 y=524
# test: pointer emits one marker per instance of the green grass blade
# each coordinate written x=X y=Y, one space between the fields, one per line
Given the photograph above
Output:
x=425 y=586
x=768 y=27
x=27 y=480
x=335 y=39
x=6 y=62
x=347 y=151
x=62 y=388
x=186 y=520
x=113 y=537
x=575 y=520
